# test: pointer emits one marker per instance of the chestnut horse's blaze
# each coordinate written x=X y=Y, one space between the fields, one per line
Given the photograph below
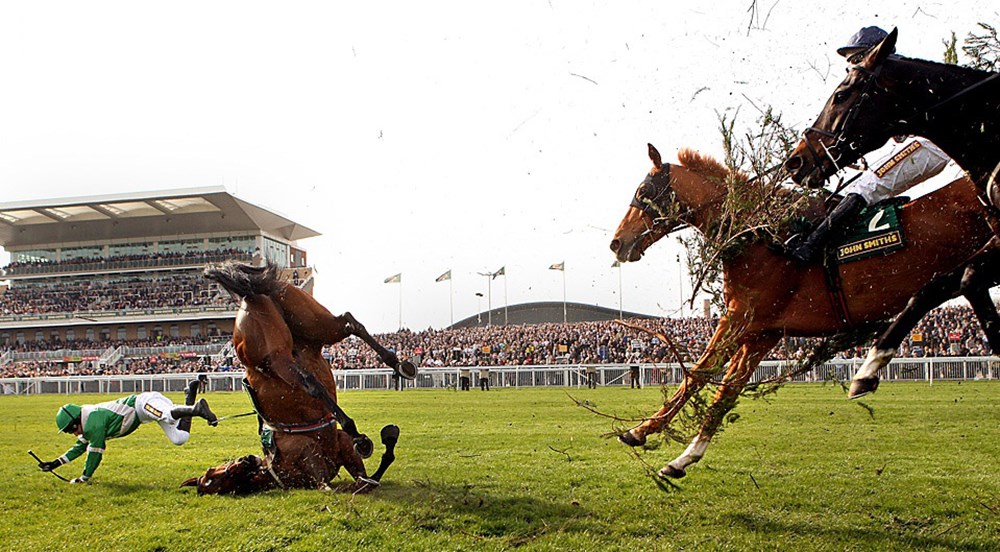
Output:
x=768 y=296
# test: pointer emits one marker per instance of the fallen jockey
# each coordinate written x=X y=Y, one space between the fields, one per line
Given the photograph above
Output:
x=95 y=424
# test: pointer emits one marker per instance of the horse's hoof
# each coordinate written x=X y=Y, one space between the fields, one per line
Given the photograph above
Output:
x=672 y=472
x=390 y=434
x=862 y=387
x=406 y=370
x=364 y=446
x=631 y=440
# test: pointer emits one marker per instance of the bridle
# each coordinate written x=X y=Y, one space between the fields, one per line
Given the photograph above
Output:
x=651 y=199
x=840 y=141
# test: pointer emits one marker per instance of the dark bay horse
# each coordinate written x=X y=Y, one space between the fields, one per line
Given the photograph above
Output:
x=290 y=384
x=311 y=324
x=959 y=110
x=767 y=295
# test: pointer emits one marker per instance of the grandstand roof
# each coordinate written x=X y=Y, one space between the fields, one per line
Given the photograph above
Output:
x=545 y=312
x=139 y=214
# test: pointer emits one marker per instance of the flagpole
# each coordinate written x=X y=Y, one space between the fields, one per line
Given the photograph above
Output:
x=505 y=298
x=564 y=292
x=451 y=299
x=680 y=283
x=400 y=303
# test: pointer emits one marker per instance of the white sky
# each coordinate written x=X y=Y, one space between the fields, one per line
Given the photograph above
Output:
x=422 y=136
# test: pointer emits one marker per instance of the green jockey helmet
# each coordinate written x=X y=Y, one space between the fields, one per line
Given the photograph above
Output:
x=68 y=413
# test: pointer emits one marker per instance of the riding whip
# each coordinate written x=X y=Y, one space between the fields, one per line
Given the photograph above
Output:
x=39 y=460
x=251 y=413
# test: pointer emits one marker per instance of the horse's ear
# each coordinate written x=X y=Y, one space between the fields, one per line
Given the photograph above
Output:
x=654 y=156
x=883 y=49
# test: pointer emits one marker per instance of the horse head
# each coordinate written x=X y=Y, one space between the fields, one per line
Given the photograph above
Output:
x=243 y=476
x=671 y=197
x=860 y=116
x=650 y=215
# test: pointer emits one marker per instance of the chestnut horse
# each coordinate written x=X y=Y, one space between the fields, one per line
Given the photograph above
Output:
x=959 y=110
x=767 y=295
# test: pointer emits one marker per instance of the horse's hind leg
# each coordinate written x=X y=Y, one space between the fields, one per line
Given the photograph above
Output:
x=976 y=283
x=937 y=291
x=405 y=369
x=741 y=368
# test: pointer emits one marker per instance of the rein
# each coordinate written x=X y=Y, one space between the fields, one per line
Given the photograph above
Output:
x=929 y=111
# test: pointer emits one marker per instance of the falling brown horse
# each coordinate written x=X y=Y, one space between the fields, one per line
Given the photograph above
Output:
x=291 y=386
x=767 y=295
x=958 y=108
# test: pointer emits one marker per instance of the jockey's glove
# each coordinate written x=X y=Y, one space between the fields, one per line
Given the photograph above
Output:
x=50 y=465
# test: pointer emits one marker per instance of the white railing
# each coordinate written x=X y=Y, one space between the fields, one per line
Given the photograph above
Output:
x=563 y=375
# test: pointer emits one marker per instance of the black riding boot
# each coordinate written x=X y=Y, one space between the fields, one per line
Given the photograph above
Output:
x=200 y=409
x=844 y=211
x=189 y=397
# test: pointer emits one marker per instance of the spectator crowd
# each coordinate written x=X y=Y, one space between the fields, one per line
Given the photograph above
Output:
x=949 y=331
x=139 y=259
x=111 y=294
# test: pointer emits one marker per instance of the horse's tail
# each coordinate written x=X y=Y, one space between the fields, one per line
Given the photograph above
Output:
x=244 y=280
x=229 y=277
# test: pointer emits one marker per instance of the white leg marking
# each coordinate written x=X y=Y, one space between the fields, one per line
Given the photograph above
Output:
x=692 y=453
x=877 y=359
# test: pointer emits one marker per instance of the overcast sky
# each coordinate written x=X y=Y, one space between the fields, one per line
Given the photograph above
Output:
x=419 y=137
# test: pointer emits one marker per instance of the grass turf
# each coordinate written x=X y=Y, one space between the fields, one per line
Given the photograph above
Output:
x=528 y=469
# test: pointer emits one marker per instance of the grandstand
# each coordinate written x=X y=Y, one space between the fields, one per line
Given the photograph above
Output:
x=107 y=284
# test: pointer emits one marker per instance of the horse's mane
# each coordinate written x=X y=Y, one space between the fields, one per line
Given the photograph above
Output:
x=949 y=67
x=707 y=166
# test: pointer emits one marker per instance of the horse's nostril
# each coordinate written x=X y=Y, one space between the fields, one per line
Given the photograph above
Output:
x=793 y=163
x=616 y=245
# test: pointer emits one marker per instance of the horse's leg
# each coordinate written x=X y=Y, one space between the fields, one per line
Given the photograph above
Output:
x=741 y=368
x=315 y=389
x=719 y=348
x=284 y=366
x=979 y=277
x=986 y=312
x=390 y=436
x=937 y=291
x=405 y=368
x=312 y=322
x=973 y=280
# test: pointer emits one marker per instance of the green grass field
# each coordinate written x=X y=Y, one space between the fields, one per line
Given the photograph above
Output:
x=807 y=470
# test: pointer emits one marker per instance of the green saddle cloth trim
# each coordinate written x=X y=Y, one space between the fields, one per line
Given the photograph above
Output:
x=876 y=231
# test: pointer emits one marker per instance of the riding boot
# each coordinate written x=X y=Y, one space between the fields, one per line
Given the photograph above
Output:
x=189 y=398
x=192 y=392
x=848 y=207
x=200 y=409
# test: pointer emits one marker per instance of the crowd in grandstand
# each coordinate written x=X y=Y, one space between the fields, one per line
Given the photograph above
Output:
x=145 y=258
x=950 y=331
x=113 y=294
